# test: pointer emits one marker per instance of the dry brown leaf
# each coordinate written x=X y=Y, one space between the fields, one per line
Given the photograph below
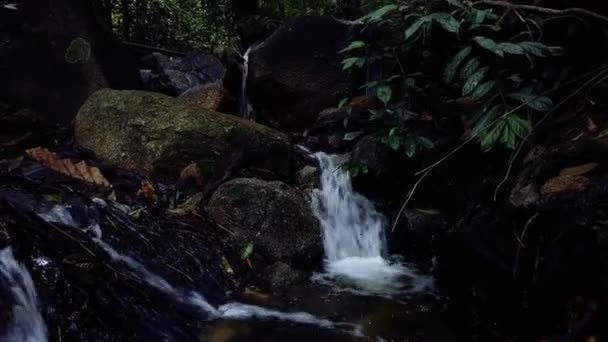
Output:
x=578 y=170
x=80 y=171
x=192 y=172
x=147 y=191
x=565 y=184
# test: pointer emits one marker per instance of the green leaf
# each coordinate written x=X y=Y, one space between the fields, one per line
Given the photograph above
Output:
x=480 y=16
x=469 y=68
x=452 y=67
x=484 y=117
x=381 y=12
x=393 y=141
x=508 y=131
x=384 y=93
x=534 y=48
x=511 y=48
x=410 y=147
x=489 y=45
x=456 y=3
x=357 y=44
x=424 y=142
x=247 y=251
x=53 y=198
x=483 y=89
x=473 y=81
x=538 y=103
x=446 y=21
x=348 y=63
x=410 y=31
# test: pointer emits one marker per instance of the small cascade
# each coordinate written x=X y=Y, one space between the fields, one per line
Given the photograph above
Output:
x=354 y=237
x=59 y=214
x=245 y=105
x=27 y=324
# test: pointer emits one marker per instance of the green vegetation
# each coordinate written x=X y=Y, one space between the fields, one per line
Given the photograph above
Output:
x=498 y=68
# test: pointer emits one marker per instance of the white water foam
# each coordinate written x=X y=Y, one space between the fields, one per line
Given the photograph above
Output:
x=27 y=324
x=245 y=105
x=353 y=238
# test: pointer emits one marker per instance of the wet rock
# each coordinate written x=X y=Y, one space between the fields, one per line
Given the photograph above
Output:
x=272 y=215
x=158 y=136
x=297 y=72
x=208 y=96
x=280 y=275
x=176 y=75
x=371 y=153
x=308 y=175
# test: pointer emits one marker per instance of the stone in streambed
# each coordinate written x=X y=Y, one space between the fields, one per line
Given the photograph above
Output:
x=157 y=136
x=272 y=215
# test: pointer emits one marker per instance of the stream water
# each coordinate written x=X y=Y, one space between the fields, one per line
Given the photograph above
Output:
x=362 y=293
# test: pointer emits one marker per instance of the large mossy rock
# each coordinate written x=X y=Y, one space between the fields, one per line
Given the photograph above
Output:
x=297 y=72
x=272 y=215
x=157 y=136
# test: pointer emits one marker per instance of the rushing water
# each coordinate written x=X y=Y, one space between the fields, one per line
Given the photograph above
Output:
x=61 y=215
x=354 y=237
x=27 y=324
x=245 y=106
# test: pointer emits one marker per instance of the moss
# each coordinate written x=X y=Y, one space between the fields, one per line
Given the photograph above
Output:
x=158 y=135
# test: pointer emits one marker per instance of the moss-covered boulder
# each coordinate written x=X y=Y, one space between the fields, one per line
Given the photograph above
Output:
x=157 y=136
x=276 y=218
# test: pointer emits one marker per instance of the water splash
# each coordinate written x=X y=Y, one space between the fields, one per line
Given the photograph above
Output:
x=353 y=238
x=27 y=324
x=245 y=105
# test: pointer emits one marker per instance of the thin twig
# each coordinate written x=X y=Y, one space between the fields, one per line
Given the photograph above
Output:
x=521 y=244
x=546 y=10
x=407 y=200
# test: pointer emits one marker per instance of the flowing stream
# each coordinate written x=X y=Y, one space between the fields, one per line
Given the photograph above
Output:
x=27 y=324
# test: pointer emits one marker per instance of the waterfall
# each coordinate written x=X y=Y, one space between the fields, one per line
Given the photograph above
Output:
x=27 y=324
x=354 y=241
x=245 y=106
x=350 y=224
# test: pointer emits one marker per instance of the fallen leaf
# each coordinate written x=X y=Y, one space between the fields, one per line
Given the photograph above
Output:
x=565 y=184
x=80 y=171
x=248 y=261
x=255 y=294
x=14 y=164
x=147 y=191
x=247 y=251
x=192 y=172
x=578 y=170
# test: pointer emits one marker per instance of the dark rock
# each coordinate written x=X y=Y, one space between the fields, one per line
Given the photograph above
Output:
x=176 y=75
x=209 y=96
x=37 y=70
x=371 y=153
x=297 y=72
x=158 y=136
x=273 y=215
x=280 y=275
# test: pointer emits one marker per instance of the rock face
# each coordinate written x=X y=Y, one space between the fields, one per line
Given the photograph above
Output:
x=297 y=72
x=176 y=75
x=208 y=96
x=272 y=215
x=156 y=135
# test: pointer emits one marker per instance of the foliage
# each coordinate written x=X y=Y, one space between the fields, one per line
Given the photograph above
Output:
x=173 y=24
x=495 y=66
